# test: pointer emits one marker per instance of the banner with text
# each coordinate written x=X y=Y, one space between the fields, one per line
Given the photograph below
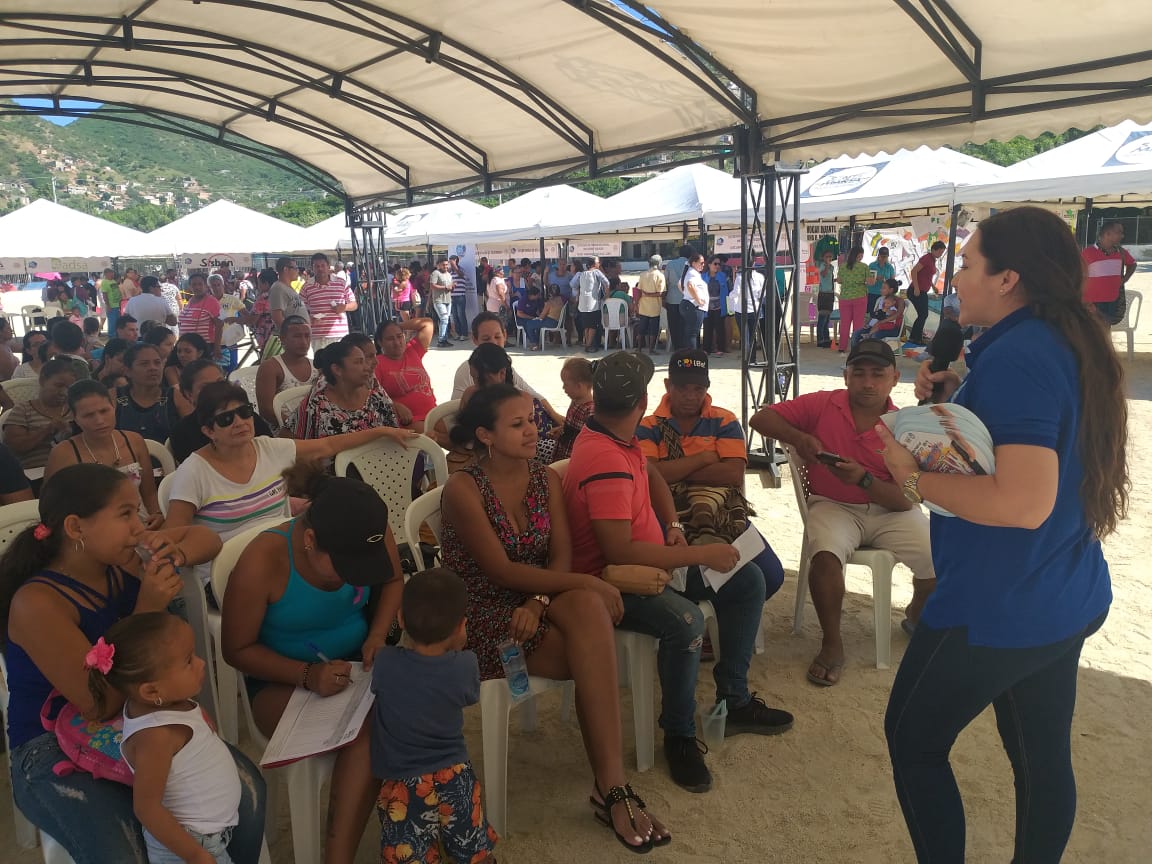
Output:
x=213 y=260
x=503 y=251
x=593 y=249
x=64 y=266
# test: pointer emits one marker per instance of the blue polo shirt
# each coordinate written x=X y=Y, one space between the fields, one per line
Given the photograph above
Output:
x=1015 y=587
x=883 y=274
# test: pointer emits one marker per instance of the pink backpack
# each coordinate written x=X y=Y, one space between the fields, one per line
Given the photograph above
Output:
x=88 y=745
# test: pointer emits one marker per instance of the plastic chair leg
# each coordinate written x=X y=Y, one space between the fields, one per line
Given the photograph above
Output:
x=882 y=614
x=711 y=625
x=25 y=832
x=801 y=587
x=495 y=705
x=641 y=659
x=53 y=852
x=306 y=809
x=272 y=798
x=528 y=715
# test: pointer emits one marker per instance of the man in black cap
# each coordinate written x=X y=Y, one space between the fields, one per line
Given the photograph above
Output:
x=621 y=512
x=853 y=501
x=700 y=451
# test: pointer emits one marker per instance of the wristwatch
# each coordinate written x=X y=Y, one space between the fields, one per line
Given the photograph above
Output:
x=544 y=600
x=679 y=526
x=912 y=488
x=866 y=481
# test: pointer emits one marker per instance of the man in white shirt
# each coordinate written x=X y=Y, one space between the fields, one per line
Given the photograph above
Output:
x=440 y=289
x=590 y=287
x=328 y=301
x=149 y=305
x=694 y=306
x=487 y=327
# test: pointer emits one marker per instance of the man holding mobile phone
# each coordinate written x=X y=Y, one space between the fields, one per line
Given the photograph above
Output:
x=853 y=500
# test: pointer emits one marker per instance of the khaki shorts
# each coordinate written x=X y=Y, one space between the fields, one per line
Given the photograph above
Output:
x=841 y=529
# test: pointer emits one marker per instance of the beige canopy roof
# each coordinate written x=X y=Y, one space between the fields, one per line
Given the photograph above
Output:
x=410 y=98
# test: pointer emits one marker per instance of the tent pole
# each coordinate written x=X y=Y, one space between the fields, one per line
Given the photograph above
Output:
x=1087 y=223
x=950 y=266
x=703 y=237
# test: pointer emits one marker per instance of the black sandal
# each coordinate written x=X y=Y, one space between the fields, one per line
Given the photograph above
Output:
x=663 y=841
x=602 y=810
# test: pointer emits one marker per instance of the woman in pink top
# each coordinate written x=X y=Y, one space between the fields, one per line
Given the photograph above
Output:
x=400 y=365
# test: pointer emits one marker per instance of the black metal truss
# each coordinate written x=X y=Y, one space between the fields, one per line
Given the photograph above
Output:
x=160 y=121
x=770 y=348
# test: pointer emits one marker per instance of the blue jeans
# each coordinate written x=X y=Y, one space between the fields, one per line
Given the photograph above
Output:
x=216 y=844
x=93 y=819
x=113 y=316
x=460 y=314
x=443 y=311
x=532 y=328
x=942 y=685
x=692 y=319
x=677 y=622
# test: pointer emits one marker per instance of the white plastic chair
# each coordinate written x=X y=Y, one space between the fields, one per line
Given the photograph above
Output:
x=161 y=454
x=426 y=508
x=447 y=412
x=880 y=561
x=809 y=317
x=1131 y=319
x=615 y=314
x=246 y=378
x=561 y=329
x=29 y=314
x=286 y=401
x=304 y=778
x=22 y=389
x=388 y=467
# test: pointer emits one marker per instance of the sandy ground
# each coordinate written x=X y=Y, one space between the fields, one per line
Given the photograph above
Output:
x=823 y=792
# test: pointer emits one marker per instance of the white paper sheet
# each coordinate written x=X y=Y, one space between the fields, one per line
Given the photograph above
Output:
x=749 y=545
x=314 y=724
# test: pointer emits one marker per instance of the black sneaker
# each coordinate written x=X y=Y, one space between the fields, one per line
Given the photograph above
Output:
x=757 y=718
x=686 y=763
x=443 y=343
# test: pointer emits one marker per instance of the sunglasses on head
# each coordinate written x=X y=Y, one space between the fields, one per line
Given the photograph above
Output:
x=224 y=418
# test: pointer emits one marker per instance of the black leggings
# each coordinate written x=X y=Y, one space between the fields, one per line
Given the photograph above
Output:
x=942 y=685
x=715 y=332
x=920 y=304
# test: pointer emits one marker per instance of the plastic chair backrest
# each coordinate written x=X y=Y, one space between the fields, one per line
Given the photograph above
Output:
x=425 y=509
x=388 y=467
x=22 y=389
x=799 y=481
x=1134 y=299
x=616 y=313
x=164 y=493
x=287 y=401
x=246 y=378
x=446 y=411
x=14 y=518
x=162 y=455
x=225 y=562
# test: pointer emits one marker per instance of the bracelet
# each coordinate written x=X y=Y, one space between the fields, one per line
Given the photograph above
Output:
x=304 y=677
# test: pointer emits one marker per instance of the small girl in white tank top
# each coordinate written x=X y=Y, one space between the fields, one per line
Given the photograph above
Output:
x=186 y=791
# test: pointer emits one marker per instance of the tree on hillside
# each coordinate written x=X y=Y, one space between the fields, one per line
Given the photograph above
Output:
x=1020 y=148
x=307 y=212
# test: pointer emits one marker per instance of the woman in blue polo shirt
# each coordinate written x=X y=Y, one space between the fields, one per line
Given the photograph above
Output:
x=1021 y=577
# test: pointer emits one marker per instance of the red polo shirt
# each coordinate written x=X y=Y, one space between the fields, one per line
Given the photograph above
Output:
x=828 y=416
x=1105 y=273
x=607 y=478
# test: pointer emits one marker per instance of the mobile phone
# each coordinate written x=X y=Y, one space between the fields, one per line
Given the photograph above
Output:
x=829 y=458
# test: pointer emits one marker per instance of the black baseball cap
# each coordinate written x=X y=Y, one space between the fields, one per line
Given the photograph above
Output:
x=351 y=524
x=688 y=366
x=620 y=380
x=871 y=351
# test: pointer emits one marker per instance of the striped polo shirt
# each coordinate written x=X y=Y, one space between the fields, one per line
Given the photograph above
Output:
x=326 y=323
x=716 y=429
x=1105 y=271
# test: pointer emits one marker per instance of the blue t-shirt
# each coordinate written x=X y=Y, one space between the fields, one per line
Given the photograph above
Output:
x=673 y=273
x=1016 y=587
x=883 y=274
x=418 y=720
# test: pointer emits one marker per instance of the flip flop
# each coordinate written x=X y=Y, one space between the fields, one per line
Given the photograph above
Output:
x=828 y=668
x=908 y=626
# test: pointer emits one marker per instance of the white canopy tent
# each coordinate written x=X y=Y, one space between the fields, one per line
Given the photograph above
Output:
x=44 y=229
x=1111 y=166
x=422 y=109
x=222 y=227
x=546 y=213
x=409 y=228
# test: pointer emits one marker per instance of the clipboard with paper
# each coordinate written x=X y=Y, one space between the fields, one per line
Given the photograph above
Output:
x=314 y=724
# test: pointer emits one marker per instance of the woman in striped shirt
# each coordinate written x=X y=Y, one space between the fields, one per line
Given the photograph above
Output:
x=236 y=479
x=201 y=315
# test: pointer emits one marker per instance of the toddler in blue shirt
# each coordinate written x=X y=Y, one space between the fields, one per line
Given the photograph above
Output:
x=430 y=796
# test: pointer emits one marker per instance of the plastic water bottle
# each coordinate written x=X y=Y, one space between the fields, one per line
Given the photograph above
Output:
x=515 y=670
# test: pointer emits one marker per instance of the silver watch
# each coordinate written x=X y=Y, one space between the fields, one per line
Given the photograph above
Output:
x=679 y=526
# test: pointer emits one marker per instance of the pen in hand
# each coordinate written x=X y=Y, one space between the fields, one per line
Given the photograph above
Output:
x=323 y=658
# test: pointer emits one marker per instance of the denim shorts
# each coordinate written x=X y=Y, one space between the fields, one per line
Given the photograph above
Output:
x=216 y=844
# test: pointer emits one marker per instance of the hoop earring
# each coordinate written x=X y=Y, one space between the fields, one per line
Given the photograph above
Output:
x=159 y=702
x=78 y=546
x=489 y=452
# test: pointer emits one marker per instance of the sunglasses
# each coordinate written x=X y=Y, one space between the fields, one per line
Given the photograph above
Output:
x=224 y=418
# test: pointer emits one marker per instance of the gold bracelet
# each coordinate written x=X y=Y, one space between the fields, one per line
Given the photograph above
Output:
x=304 y=677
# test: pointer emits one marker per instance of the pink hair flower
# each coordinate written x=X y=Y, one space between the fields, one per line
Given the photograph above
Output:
x=100 y=656
x=41 y=532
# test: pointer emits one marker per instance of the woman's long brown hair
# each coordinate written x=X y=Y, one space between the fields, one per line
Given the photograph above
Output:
x=1038 y=246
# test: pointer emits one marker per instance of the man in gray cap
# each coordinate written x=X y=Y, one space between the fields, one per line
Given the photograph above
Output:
x=621 y=512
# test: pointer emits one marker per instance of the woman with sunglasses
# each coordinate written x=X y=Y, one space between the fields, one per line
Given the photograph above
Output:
x=236 y=479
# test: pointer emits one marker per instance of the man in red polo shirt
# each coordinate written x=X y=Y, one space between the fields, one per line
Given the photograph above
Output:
x=854 y=502
x=1109 y=267
x=618 y=506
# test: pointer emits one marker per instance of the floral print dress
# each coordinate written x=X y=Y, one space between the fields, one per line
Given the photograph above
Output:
x=490 y=606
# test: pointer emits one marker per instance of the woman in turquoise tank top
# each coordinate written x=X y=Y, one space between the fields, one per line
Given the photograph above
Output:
x=306 y=597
